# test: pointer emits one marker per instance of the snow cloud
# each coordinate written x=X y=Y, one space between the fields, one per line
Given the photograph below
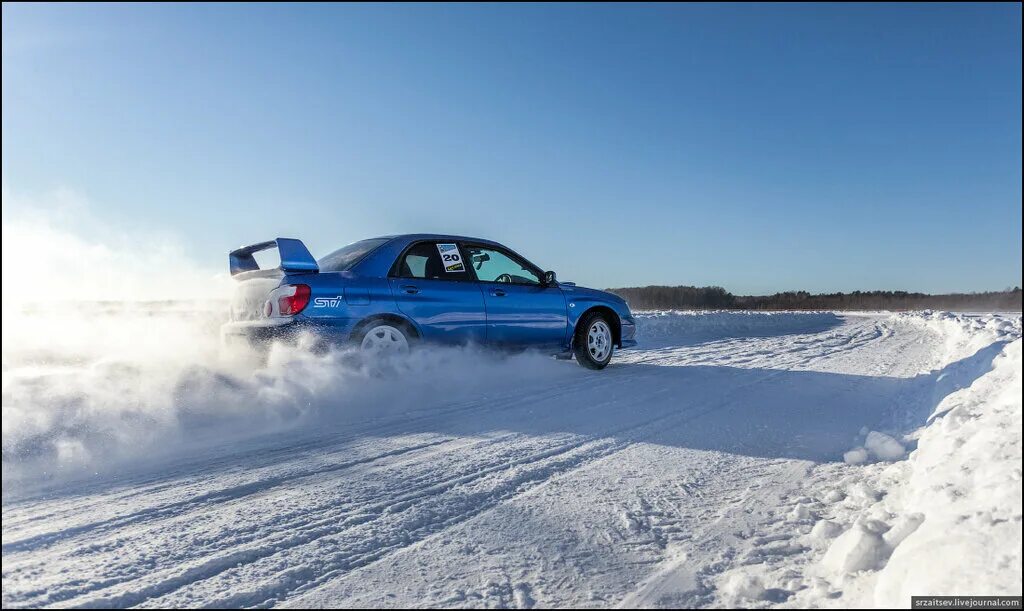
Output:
x=54 y=241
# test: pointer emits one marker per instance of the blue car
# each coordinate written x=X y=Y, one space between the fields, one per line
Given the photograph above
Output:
x=386 y=294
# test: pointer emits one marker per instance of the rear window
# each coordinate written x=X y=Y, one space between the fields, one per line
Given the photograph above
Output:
x=347 y=256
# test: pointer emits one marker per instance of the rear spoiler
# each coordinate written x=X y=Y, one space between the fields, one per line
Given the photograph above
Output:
x=295 y=256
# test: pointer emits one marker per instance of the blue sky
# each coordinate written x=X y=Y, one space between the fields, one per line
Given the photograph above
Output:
x=760 y=148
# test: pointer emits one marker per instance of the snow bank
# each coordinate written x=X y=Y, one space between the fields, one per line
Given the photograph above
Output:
x=676 y=327
x=949 y=518
x=963 y=334
x=965 y=482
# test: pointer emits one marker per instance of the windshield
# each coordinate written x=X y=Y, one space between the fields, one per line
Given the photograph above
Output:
x=347 y=256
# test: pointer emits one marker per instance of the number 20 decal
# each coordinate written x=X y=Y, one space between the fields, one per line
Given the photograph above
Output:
x=451 y=257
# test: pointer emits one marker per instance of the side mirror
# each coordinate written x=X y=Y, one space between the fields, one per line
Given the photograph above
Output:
x=550 y=278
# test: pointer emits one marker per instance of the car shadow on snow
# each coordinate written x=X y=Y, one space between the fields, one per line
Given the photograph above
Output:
x=808 y=415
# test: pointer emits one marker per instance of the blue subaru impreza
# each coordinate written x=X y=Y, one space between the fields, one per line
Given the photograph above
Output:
x=386 y=294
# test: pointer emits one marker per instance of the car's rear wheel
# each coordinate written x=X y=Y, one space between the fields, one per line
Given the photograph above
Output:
x=593 y=341
x=384 y=338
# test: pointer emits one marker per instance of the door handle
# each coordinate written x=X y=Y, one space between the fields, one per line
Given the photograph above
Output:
x=498 y=292
x=410 y=289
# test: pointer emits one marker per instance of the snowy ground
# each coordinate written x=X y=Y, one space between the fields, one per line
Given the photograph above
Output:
x=751 y=459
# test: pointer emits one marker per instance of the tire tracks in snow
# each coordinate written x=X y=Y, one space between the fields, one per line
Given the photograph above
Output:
x=562 y=457
x=332 y=443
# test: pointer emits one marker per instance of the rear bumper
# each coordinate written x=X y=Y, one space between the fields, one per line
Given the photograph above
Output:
x=256 y=334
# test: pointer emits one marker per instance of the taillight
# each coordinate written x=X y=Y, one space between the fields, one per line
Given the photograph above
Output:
x=291 y=299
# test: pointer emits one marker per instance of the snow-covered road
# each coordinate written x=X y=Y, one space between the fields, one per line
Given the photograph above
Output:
x=704 y=469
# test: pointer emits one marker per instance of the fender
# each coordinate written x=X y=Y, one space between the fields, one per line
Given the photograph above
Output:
x=388 y=316
x=580 y=300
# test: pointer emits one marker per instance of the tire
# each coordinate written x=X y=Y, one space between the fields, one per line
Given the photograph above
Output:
x=593 y=341
x=384 y=337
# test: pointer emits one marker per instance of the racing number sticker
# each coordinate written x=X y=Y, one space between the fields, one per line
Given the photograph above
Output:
x=451 y=258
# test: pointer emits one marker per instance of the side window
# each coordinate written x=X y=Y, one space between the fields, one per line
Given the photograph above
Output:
x=492 y=265
x=433 y=261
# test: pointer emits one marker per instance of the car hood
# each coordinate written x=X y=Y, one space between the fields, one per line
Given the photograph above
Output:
x=585 y=292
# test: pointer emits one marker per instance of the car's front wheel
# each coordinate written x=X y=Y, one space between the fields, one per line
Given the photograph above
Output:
x=384 y=338
x=593 y=343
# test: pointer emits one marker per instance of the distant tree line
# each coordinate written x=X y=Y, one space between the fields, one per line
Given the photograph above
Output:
x=717 y=298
